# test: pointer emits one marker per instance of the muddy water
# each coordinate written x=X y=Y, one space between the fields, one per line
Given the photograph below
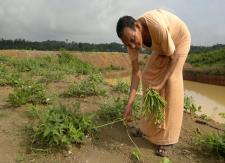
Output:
x=210 y=97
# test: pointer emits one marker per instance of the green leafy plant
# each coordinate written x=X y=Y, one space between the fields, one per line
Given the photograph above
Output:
x=205 y=117
x=59 y=126
x=121 y=86
x=189 y=105
x=166 y=160
x=9 y=77
x=136 y=154
x=114 y=110
x=214 y=142
x=28 y=93
x=153 y=106
x=222 y=115
x=89 y=87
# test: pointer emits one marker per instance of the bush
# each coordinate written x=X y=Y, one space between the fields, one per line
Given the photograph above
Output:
x=57 y=126
x=28 y=93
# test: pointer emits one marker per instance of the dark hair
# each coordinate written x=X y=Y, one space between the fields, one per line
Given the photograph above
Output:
x=125 y=21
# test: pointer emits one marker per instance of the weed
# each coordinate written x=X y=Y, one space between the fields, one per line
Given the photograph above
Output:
x=122 y=87
x=9 y=77
x=28 y=93
x=89 y=87
x=166 y=160
x=222 y=115
x=114 y=110
x=136 y=154
x=205 y=117
x=57 y=126
x=214 y=142
x=189 y=105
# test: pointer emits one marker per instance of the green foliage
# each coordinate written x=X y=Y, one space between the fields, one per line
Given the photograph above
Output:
x=136 y=154
x=9 y=78
x=114 y=110
x=166 y=160
x=58 y=126
x=222 y=115
x=72 y=64
x=51 y=68
x=28 y=93
x=96 y=77
x=205 y=117
x=114 y=68
x=122 y=87
x=89 y=87
x=189 y=105
x=154 y=106
x=214 y=142
x=214 y=58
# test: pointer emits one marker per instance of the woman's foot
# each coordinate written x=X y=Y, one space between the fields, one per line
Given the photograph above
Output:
x=136 y=132
x=164 y=150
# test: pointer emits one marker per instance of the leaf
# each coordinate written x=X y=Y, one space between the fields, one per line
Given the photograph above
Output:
x=166 y=160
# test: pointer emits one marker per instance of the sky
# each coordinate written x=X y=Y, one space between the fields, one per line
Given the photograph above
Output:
x=94 y=21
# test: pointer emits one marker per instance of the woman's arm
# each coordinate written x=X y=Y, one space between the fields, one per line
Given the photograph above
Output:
x=135 y=78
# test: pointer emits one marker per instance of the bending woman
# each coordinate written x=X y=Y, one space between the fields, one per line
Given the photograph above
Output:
x=168 y=39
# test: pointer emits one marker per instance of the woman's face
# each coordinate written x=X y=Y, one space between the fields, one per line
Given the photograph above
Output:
x=132 y=37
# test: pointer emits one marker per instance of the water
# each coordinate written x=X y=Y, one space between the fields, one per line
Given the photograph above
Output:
x=210 y=97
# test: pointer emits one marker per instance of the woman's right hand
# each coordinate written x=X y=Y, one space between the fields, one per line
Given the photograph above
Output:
x=127 y=115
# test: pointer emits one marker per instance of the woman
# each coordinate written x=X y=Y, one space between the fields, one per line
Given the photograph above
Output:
x=168 y=39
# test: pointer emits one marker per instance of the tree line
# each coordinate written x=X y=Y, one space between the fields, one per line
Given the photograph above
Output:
x=53 y=45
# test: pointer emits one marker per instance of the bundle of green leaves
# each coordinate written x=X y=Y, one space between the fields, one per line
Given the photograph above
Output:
x=153 y=106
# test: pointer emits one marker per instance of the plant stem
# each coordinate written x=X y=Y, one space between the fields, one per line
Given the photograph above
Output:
x=110 y=123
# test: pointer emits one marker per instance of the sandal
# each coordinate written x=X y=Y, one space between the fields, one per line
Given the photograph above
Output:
x=164 y=150
x=136 y=132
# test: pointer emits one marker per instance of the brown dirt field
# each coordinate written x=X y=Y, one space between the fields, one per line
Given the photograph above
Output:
x=112 y=145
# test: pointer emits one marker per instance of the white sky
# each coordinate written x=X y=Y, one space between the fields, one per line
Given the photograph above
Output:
x=94 y=21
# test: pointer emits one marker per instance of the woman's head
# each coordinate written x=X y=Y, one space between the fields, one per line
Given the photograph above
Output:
x=129 y=31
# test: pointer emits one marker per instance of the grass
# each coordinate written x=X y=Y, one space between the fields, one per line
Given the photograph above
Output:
x=29 y=92
x=59 y=126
